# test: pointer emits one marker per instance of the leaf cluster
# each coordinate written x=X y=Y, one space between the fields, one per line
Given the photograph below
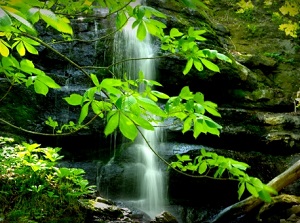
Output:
x=29 y=175
x=210 y=164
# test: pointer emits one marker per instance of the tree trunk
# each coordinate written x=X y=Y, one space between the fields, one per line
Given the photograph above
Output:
x=243 y=207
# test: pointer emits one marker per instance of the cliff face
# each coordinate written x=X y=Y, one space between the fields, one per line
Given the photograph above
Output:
x=265 y=71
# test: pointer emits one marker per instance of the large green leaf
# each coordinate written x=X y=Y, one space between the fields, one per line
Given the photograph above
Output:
x=210 y=65
x=110 y=82
x=175 y=33
x=84 y=112
x=198 y=65
x=185 y=93
x=74 y=99
x=53 y=20
x=20 y=17
x=4 y=51
x=4 y=18
x=121 y=19
x=21 y=48
x=112 y=123
x=241 y=190
x=141 y=31
x=140 y=121
x=252 y=190
x=48 y=81
x=40 y=87
x=187 y=124
x=160 y=94
x=31 y=49
x=151 y=106
x=127 y=127
x=188 y=66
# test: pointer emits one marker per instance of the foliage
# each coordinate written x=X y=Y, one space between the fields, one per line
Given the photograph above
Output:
x=123 y=106
x=33 y=188
x=279 y=57
x=287 y=13
x=211 y=164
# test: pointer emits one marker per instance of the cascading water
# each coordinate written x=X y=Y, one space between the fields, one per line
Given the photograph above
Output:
x=150 y=179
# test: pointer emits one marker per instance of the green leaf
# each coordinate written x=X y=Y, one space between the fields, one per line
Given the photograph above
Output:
x=141 y=121
x=154 y=11
x=53 y=20
x=241 y=190
x=141 y=31
x=202 y=167
x=252 y=190
x=198 y=65
x=256 y=183
x=16 y=14
x=265 y=196
x=270 y=190
x=21 y=49
x=110 y=82
x=4 y=51
x=48 y=81
x=212 y=124
x=210 y=65
x=112 y=123
x=127 y=127
x=150 y=106
x=187 y=124
x=223 y=57
x=188 y=66
x=84 y=112
x=121 y=19
x=74 y=99
x=160 y=94
x=4 y=19
x=199 y=127
x=31 y=49
x=175 y=33
x=185 y=93
x=40 y=87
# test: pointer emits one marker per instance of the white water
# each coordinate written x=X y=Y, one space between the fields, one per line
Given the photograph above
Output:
x=151 y=183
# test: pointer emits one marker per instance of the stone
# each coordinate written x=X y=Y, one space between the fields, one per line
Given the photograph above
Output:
x=165 y=217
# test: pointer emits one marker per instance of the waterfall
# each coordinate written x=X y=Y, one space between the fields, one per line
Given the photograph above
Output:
x=150 y=179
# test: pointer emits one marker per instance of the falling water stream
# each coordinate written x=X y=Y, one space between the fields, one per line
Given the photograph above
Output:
x=150 y=180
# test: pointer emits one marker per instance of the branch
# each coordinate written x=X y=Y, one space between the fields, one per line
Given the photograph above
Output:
x=48 y=134
x=241 y=208
x=179 y=171
x=58 y=53
x=4 y=96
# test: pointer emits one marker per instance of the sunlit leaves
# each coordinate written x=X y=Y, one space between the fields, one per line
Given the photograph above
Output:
x=290 y=8
x=245 y=6
x=127 y=127
x=121 y=19
x=290 y=28
x=112 y=122
x=186 y=46
x=74 y=99
x=4 y=48
x=190 y=108
x=59 y=23
x=141 y=31
x=23 y=43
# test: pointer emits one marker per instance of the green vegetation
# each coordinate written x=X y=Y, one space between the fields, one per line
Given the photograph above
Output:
x=279 y=57
x=284 y=14
x=212 y=165
x=34 y=189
